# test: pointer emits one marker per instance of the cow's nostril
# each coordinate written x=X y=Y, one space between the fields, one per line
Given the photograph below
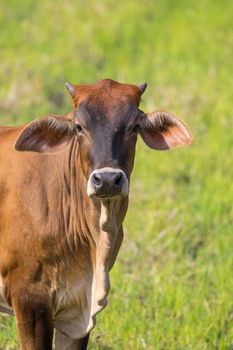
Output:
x=118 y=180
x=97 y=180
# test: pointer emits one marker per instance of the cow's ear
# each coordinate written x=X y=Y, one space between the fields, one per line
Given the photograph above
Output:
x=50 y=134
x=162 y=130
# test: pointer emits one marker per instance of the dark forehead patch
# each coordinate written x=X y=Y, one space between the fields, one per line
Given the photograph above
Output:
x=92 y=115
x=107 y=101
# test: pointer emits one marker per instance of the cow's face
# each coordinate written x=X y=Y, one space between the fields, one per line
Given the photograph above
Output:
x=107 y=121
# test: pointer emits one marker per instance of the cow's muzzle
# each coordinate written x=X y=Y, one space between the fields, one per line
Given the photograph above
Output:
x=107 y=182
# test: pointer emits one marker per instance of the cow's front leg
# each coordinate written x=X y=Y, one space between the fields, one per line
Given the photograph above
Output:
x=62 y=342
x=33 y=313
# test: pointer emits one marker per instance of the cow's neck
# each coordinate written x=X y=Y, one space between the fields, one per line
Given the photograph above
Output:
x=91 y=223
x=92 y=226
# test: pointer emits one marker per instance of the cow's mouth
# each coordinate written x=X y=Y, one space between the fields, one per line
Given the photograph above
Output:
x=106 y=196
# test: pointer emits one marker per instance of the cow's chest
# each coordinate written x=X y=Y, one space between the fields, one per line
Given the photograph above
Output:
x=78 y=297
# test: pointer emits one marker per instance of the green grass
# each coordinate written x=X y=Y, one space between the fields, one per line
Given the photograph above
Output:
x=172 y=285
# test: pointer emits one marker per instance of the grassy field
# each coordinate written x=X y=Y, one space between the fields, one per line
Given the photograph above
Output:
x=172 y=286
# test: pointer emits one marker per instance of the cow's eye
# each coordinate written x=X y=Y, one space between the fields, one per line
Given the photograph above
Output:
x=78 y=128
x=136 y=128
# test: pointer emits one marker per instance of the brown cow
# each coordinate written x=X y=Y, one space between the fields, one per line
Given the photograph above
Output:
x=64 y=184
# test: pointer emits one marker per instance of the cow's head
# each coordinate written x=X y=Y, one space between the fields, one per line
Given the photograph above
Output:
x=106 y=123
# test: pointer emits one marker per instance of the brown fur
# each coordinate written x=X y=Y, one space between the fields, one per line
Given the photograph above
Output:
x=53 y=249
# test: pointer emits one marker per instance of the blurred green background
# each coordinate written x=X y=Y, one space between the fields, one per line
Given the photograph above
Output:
x=172 y=285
